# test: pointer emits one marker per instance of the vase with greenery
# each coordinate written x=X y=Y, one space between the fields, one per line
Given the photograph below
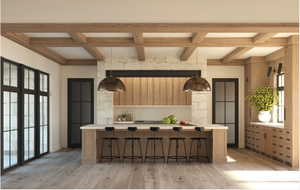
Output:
x=264 y=99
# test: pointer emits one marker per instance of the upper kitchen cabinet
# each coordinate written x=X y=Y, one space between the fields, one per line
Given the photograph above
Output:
x=153 y=91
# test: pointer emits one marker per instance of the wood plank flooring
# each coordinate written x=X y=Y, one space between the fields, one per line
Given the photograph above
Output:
x=244 y=170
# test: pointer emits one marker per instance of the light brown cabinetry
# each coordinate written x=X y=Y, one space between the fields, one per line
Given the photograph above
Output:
x=153 y=91
x=273 y=142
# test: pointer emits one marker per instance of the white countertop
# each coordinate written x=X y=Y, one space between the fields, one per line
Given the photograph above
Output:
x=147 y=126
x=269 y=124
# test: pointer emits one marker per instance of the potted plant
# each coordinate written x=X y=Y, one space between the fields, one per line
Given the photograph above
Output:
x=264 y=99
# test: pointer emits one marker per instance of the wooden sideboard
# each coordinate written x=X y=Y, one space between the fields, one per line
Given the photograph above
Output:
x=270 y=141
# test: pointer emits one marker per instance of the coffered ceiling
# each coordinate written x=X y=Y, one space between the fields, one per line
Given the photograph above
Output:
x=84 y=44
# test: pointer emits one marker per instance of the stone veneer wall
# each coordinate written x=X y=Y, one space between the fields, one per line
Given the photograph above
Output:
x=105 y=99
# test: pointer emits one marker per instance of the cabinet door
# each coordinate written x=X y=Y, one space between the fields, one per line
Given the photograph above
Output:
x=268 y=141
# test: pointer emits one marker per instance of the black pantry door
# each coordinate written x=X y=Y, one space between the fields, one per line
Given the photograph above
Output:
x=226 y=108
x=80 y=108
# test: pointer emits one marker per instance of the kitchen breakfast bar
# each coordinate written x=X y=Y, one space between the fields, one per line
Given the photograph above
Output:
x=153 y=142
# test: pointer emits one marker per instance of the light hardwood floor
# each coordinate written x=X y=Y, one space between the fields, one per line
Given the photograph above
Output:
x=244 y=170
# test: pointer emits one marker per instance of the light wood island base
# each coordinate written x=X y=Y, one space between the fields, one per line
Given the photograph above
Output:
x=216 y=146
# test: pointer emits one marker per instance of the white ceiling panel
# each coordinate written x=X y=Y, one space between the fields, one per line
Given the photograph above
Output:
x=167 y=35
x=107 y=35
x=53 y=35
x=214 y=52
x=230 y=35
x=163 y=51
x=118 y=51
x=259 y=51
x=72 y=52
x=284 y=35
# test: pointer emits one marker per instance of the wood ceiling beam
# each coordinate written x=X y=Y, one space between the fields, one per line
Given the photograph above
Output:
x=235 y=62
x=209 y=62
x=158 y=42
x=276 y=55
x=149 y=27
x=139 y=45
x=44 y=51
x=81 y=62
x=235 y=54
x=263 y=37
x=188 y=51
x=93 y=51
x=259 y=38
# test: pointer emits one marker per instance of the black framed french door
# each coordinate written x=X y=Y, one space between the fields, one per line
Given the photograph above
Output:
x=80 y=108
x=23 y=114
x=226 y=107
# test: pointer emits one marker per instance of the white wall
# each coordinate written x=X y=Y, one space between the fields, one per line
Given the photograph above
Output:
x=230 y=72
x=17 y=53
x=73 y=72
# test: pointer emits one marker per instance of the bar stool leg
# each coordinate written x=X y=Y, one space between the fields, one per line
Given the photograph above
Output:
x=102 y=146
x=110 y=149
x=169 y=150
x=146 y=152
x=177 y=147
x=124 y=148
x=162 y=149
x=186 y=157
x=141 y=151
x=132 y=149
x=118 y=149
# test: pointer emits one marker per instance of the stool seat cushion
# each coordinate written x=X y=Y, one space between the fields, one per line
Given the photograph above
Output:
x=200 y=129
x=177 y=138
x=109 y=128
x=132 y=138
x=154 y=138
x=199 y=138
x=177 y=128
x=154 y=128
x=110 y=138
x=132 y=129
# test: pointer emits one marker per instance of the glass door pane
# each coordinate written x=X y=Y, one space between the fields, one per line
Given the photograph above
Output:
x=29 y=126
x=80 y=102
x=225 y=103
x=43 y=124
x=10 y=129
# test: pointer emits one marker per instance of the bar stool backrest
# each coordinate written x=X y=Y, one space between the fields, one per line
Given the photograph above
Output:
x=154 y=129
x=132 y=129
x=177 y=129
x=109 y=129
x=200 y=129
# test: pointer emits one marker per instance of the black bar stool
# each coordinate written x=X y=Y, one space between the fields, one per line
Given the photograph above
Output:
x=111 y=140
x=132 y=141
x=177 y=140
x=198 y=141
x=154 y=140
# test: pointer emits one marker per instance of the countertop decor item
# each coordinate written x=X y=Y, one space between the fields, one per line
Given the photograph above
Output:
x=264 y=99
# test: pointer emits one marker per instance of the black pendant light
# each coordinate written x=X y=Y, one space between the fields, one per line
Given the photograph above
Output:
x=111 y=84
x=196 y=83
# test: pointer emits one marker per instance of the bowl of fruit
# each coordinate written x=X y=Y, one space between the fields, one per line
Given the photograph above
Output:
x=171 y=119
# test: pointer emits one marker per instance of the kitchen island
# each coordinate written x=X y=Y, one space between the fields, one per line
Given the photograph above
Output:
x=92 y=136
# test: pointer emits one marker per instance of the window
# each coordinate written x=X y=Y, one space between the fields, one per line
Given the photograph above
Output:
x=29 y=128
x=24 y=114
x=44 y=110
x=280 y=88
x=10 y=111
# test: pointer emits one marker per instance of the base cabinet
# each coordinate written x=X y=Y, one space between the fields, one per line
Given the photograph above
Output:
x=272 y=142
